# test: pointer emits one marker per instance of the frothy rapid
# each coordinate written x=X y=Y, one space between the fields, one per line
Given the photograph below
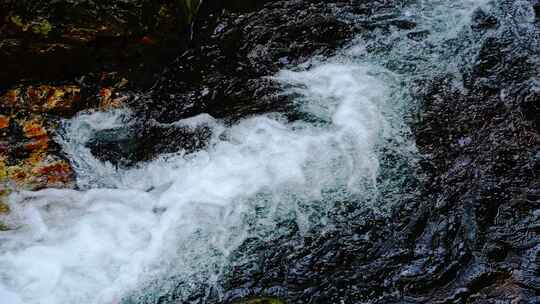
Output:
x=183 y=215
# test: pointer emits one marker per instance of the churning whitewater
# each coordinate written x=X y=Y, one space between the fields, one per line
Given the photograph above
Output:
x=183 y=215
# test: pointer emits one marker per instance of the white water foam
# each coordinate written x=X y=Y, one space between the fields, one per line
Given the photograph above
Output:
x=97 y=245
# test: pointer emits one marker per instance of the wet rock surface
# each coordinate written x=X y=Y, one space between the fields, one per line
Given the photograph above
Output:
x=59 y=40
x=61 y=57
x=467 y=234
x=29 y=157
x=470 y=235
x=226 y=73
x=481 y=141
x=30 y=117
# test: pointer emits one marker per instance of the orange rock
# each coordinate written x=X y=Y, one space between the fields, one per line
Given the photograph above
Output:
x=12 y=98
x=3 y=191
x=17 y=175
x=38 y=144
x=62 y=98
x=40 y=171
x=34 y=128
x=3 y=171
x=105 y=92
x=43 y=98
x=59 y=167
x=106 y=101
x=35 y=96
x=49 y=98
x=4 y=122
x=112 y=103
x=42 y=168
x=55 y=173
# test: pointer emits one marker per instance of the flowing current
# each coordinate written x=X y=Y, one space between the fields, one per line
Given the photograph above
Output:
x=184 y=215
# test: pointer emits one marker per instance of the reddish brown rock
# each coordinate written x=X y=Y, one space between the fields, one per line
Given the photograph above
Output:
x=60 y=100
x=47 y=98
x=34 y=128
x=28 y=159
x=4 y=122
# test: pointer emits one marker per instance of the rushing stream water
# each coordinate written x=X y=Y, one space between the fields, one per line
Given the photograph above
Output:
x=183 y=216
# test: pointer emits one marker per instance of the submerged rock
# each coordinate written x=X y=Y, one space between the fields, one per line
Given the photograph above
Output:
x=143 y=141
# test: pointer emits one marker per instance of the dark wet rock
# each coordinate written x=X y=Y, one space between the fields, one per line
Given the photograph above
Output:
x=471 y=234
x=133 y=144
x=449 y=244
x=60 y=40
x=480 y=142
x=224 y=74
x=482 y=20
x=418 y=36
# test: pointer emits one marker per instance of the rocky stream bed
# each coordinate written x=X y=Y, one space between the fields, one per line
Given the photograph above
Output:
x=106 y=99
